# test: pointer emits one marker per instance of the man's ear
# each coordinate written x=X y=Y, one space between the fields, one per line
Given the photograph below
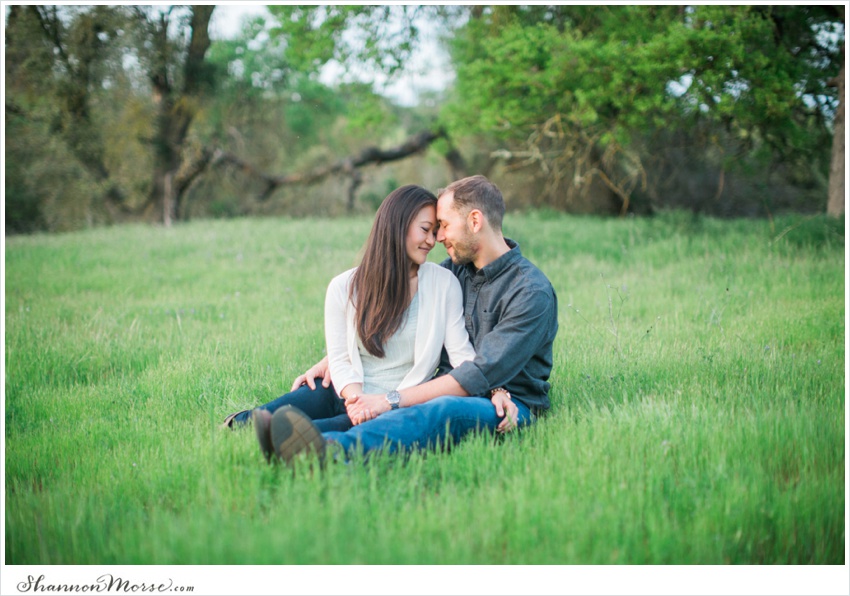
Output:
x=475 y=221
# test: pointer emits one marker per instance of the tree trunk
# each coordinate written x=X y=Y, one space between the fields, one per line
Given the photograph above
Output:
x=835 y=204
x=176 y=109
x=169 y=208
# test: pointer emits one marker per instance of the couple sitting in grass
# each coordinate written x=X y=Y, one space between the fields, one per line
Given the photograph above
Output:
x=394 y=320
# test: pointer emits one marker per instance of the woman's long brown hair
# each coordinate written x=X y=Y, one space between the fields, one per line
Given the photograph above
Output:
x=380 y=287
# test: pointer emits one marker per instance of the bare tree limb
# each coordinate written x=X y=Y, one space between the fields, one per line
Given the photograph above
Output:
x=369 y=155
x=190 y=170
x=50 y=26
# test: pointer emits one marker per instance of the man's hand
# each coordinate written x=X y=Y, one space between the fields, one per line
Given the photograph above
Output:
x=320 y=369
x=505 y=408
x=365 y=407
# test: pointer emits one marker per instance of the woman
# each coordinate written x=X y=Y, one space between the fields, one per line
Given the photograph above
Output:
x=386 y=321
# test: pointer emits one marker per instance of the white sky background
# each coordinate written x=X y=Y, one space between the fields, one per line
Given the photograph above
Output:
x=428 y=69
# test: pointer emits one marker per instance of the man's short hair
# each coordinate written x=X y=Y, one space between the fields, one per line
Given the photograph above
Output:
x=477 y=192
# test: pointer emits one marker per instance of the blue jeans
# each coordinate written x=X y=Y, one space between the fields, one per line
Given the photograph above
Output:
x=322 y=405
x=434 y=424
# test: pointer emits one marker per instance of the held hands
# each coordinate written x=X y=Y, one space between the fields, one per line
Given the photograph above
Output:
x=318 y=370
x=365 y=407
x=505 y=408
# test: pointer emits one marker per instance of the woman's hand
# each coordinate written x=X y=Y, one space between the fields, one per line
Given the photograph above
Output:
x=320 y=369
x=365 y=407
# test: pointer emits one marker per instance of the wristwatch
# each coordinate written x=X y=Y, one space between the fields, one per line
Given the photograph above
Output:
x=394 y=397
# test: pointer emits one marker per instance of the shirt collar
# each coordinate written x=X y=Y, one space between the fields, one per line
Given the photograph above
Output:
x=494 y=269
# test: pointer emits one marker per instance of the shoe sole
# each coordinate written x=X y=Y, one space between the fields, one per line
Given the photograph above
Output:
x=292 y=432
x=262 y=426
x=228 y=421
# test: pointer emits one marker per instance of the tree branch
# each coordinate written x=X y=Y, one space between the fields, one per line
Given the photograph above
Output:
x=51 y=31
x=369 y=155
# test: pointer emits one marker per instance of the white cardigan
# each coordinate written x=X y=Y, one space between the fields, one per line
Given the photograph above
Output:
x=440 y=323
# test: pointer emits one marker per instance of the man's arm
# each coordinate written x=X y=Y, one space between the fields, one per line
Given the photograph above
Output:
x=500 y=356
x=419 y=394
x=505 y=350
x=366 y=407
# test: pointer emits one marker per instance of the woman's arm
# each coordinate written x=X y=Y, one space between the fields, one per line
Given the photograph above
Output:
x=320 y=369
x=370 y=405
x=458 y=347
x=456 y=342
x=343 y=371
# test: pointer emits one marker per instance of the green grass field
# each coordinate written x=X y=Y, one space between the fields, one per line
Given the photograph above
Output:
x=698 y=402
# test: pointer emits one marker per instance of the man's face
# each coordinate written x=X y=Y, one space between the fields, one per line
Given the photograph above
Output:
x=454 y=231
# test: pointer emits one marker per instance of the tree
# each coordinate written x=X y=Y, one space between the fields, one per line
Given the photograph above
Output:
x=381 y=37
x=54 y=64
x=600 y=79
x=589 y=93
x=835 y=205
x=62 y=62
x=118 y=112
x=126 y=95
x=178 y=75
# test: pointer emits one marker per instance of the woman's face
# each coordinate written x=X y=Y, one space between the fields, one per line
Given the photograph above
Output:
x=422 y=234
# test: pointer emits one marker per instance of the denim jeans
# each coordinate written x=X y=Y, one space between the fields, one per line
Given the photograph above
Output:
x=434 y=424
x=322 y=405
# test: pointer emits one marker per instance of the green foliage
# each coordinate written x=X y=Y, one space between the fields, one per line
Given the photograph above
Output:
x=746 y=78
x=367 y=114
x=375 y=198
x=21 y=202
x=312 y=110
x=722 y=109
x=591 y=96
x=46 y=187
x=314 y=32
x=85 y=92
x=754 y=67
x=252 y=64
x=378 y=36
x=55 y=149
x=698 y=402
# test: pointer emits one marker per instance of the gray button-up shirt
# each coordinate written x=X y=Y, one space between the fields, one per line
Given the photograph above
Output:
x=511 y=315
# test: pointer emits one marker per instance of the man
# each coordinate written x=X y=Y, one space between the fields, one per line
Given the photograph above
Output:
x=511 y=315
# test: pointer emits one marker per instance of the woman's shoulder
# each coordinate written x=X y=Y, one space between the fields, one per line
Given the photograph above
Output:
x=435 y=270
x=342 y=280
x=436 y=274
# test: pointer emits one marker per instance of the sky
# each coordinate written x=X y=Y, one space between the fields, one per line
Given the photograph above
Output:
x=429 y=68
x=227 y=18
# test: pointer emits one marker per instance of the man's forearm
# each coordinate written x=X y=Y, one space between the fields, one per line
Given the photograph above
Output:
x=444 y=385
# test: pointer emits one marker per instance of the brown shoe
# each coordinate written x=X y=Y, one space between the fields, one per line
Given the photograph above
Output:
x=262 y=426
x=228 y=422
x=292 y=432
